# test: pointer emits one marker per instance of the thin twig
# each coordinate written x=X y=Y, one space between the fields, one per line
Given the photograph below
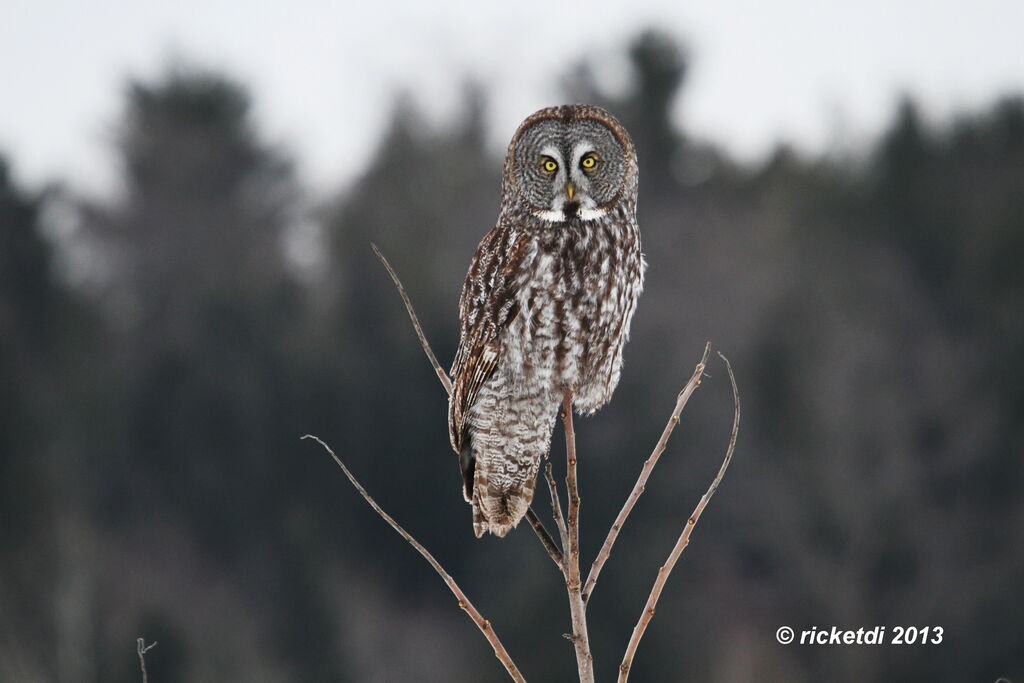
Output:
x=483 y=624
x=441 y=374
x=545 y=537
x=142 y=649
x=684 y=538
x=572 y=490
x=446 y=382
x=645 y=473
x=571 y=558
x=556 y=508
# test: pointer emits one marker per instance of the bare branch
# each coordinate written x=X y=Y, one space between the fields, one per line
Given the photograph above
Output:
x=446 y=382
x=572 y=490
x=483 y=624
x=441 y=374
x=684 y=538
x=545 y=537
x=645 y=473
x=571 y=558
x=567 y=560
x=579 y=637
x=556 y=508
x=142 y=649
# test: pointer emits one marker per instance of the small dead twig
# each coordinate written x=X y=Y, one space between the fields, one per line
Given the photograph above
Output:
x=645 y=473
x=446 y=382
x=545 y=537
x=441 y=374
x=684 y=538
x=142 y=649
x=571 y=557
x=483 y=624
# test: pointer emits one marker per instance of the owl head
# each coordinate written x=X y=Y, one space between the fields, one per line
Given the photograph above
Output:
x=573 y=162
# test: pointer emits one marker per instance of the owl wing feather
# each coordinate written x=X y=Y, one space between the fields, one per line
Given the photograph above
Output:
x=487 y=306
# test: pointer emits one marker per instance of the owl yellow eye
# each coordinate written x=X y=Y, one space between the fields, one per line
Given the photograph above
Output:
x=549 y=164
x=589 y=162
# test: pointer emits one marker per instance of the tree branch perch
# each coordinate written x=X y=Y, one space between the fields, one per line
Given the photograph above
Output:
x=571 y=544
x=567 y=558
x=483 y=624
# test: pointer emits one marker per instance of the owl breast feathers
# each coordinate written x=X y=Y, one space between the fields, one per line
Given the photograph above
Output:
x=546 y=305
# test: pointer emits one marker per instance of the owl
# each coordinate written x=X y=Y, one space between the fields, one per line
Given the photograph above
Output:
x=546 y=304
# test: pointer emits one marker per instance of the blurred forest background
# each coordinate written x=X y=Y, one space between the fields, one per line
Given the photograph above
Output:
x=162 y=352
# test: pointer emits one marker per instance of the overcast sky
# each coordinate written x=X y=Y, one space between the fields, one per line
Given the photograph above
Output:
x=814 y=73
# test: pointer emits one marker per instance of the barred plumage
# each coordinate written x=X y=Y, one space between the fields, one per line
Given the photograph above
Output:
x=546 y=305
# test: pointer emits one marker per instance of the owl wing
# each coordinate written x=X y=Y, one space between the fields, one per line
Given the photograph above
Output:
x=487 y=306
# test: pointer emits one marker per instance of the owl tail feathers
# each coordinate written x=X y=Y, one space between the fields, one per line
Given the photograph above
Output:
x=499 y=526
x=499 y=511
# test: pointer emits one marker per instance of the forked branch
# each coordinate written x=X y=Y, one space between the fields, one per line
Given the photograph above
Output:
x=684 y=538
x=483 y=624
x=567 y=559
x=141 y=648
x=645 y=473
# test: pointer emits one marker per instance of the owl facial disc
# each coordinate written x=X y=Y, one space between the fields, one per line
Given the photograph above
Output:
x=570 y=164
x=570 y=196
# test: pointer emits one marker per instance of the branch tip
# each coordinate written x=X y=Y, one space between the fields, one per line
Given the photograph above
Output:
x=441 y=374
x=645 y=472
x=684 y=538
x=141 y=648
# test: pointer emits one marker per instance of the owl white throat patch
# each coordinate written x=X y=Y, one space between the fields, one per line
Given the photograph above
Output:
x=561 y=216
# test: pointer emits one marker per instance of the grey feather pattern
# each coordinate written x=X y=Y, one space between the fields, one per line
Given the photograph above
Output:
x=546 y=305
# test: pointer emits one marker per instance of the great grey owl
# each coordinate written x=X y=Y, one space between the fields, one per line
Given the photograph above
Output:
x=546 y=305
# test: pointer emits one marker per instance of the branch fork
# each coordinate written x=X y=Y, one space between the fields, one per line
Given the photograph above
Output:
x=566 y=555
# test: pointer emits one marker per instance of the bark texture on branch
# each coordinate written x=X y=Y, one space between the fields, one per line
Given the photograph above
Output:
x=571 y=556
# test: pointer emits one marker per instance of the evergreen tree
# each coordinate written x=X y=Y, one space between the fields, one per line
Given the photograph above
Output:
x=209 y=323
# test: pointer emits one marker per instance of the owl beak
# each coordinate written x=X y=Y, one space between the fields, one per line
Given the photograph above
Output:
x=570 y=190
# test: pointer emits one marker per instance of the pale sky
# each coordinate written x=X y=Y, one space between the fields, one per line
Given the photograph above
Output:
x=816 y=74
